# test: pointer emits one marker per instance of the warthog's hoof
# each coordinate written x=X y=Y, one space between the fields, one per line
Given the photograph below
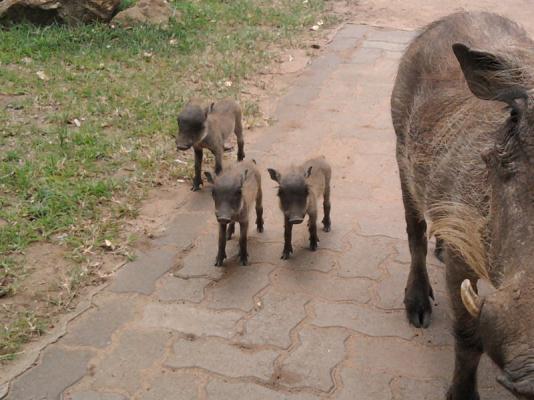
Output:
x=454 y=394
x=326 y=228
x=417 y=301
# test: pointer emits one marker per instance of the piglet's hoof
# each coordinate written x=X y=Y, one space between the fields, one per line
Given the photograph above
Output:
x=287 y=253
x=243 y=259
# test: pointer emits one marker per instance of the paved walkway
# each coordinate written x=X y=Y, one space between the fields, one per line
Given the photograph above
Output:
x=323 y=325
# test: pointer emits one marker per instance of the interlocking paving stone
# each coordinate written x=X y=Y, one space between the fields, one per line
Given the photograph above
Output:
x=359 y=384
x=141 y=275
x=281 y=310
x=172 y=288
x=95 y=327
x=58 y=369
x=364 y=257
x=171 y=385
x=190 y=319
x=372 y=352
x=222 y=390
x=92 y=395
x=406 y=388
x=200 y=261
x=322 y=285
x=364 y=319
x=219 y=356
x=135 y=351
x=238 y=288
x=302 y=367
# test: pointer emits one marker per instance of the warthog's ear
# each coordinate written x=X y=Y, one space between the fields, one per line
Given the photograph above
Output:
x=490 y=77
x=275 y=175
x=471 y=300
x=308 y=172
x=208 y=176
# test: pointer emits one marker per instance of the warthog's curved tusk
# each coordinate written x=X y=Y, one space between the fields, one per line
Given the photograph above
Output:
x=471 y=300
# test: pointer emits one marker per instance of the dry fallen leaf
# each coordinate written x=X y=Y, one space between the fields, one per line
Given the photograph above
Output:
x=76 y=122
x=228 y=83
x=315 y=28
x=173 y=42
x=42 y=76
x=108 y=245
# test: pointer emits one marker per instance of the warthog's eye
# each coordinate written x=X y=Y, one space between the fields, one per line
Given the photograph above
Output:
x=238 y=192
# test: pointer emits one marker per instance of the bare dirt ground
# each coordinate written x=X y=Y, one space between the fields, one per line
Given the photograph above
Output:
x=328 y=324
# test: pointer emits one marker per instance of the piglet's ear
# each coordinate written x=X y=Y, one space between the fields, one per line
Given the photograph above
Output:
x=308 y=172
x=244 y=177
x=275 y=175
x=208 y=176
x=209 y=108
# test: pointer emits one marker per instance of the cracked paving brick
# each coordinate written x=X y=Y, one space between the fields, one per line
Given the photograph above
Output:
x=223 y=390
x=190 y=319
x=364 y=319
x=238 y=288
x=58 y=369
x=221 y=357
x=272 y=324
x=311 y=363
x=95 y=327
x=135 y=351
x=317 y=284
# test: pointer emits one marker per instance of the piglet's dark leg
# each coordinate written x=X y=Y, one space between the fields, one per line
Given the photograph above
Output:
x=197 y=181
x=314 y=239
x=221 y=254
x=288 y=248
x=243 y=232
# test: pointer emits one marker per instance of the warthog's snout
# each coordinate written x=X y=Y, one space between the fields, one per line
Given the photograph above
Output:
x=223 y=220
x=183 y=146
x=296 y=220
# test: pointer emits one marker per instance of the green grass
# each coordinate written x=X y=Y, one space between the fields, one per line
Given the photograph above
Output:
x=74 y=186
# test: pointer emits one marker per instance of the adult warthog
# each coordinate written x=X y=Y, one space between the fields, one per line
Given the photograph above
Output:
x=463 y=111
